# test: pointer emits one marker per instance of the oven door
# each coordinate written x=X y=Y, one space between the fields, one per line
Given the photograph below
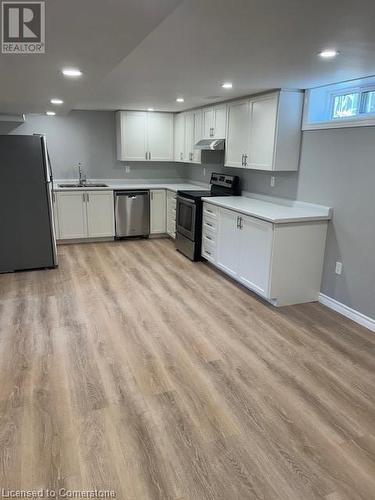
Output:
x=185 y=217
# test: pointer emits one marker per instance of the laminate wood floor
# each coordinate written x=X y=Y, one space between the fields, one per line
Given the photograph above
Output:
x=132 y=369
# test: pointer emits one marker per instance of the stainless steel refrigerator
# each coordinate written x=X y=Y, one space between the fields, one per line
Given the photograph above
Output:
x=27 y=235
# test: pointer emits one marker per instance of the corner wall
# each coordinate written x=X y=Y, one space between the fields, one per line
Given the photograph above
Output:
x=337 y=169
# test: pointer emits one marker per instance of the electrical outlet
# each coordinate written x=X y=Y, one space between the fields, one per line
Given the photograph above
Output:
x=273 y=181
x=338 y=269
x=127 y=169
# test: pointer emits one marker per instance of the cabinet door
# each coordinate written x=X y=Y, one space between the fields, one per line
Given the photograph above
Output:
x=208 y=122
x=158 y=212
x=263 y=117
x=179 y=137
x=237 y=142
x=55 y=215
x=160 y=136
x=100 y=214
x=227 y=242
x=198 y=135
x=189 y=137
x=71 y=208
x=132 y=135
x=220 y=121
x=255 y=248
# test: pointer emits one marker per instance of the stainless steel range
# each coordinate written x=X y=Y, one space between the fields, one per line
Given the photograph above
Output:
x=189 y=212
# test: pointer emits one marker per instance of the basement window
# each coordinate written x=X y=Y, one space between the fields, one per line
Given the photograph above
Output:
x=345 y=104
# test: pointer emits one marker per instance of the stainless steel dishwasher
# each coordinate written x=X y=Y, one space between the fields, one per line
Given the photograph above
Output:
x=132 y=213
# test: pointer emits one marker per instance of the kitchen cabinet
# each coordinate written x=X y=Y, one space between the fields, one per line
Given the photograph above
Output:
x=197 y=134
x=171 y=214
x=144 y=136
x=264 y=132
x=158 y=219
x=179 y=137
x=214 y=122
x=100 y=217
x=238 y=134
x=71 y=209
x=84 y=214
x=55 y=217
x=189 y=137
x=282 y=262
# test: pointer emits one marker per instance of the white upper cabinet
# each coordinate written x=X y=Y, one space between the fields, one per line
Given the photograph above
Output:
x=238 y=134
x=264 y=132
x=189 y=137
x=197 y=118
x=263 y=113
x=131 y=135
x=179 y=137
x=144 y=136
x=160 y=136
x=214 y=122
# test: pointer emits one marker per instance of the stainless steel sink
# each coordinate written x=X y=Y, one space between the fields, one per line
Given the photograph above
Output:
x=83 y=186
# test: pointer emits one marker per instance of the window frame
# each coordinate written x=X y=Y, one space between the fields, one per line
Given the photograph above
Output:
x=319 y=105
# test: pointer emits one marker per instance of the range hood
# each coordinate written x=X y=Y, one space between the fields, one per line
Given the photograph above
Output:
x=210 y=144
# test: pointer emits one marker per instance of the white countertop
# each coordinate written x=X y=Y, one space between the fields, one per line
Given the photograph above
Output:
x=274 y=210
x=115 y=184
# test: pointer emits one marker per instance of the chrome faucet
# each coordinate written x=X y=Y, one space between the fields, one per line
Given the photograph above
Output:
x=81 y=174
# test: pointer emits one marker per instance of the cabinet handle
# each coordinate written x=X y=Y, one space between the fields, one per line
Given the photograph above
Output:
x=241 y=223
x=87 y=197
x=181 y=156
x=238 y=223
x=149 y=155
x=208 y=237
x=83 y=197
x=245 y=160
x=207 y=252
x=242 y=161
x=152 y=195
x=208 y=224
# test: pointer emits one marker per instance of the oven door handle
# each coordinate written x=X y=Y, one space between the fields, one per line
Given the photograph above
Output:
x=186 y=200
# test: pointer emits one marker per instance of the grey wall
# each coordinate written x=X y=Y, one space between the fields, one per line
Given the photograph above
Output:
x=89 y=137
x=337 y=169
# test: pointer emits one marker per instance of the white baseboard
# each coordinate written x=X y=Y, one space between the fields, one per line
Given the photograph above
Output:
x=350 y=313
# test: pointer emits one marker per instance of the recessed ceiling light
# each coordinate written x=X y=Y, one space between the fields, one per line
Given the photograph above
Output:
x=180 y=99
x=56 y=101
x=50 y=113
x=328 y=53
x=72 y=72
x=227 y=85
x=150 y=109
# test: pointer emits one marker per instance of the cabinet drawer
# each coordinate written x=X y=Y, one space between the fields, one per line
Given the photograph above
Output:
x=208 y=250
x=209 y=223
x=210 y=210
x=209 y=234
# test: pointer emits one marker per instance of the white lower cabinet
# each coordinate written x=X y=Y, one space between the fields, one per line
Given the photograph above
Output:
x=171 y=214
x=71 y=210
x=100 y=218
x=281 y=262
x=158 y=219
x=84 y=214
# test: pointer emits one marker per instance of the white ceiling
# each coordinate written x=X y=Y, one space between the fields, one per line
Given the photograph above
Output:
x=94 y=35
x=256 y=44
x=144 y=53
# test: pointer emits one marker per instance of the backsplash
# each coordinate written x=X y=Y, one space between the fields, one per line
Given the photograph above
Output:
x=89 y=137
x=286 y=183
